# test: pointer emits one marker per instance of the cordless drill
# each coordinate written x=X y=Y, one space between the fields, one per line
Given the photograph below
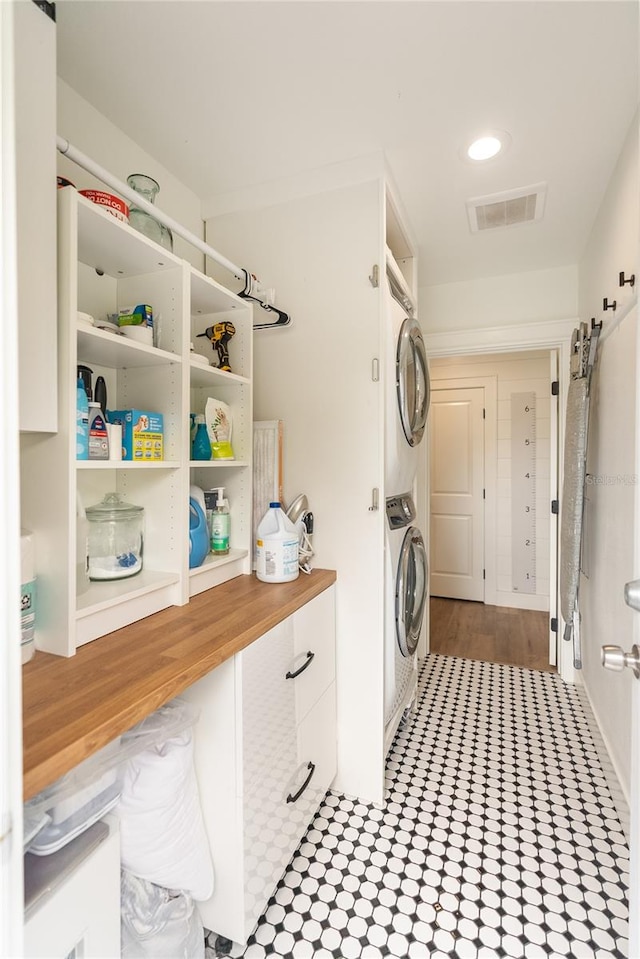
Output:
x=220 y=334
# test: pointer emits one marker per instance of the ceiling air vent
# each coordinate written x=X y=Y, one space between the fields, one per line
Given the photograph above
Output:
x=507 y=208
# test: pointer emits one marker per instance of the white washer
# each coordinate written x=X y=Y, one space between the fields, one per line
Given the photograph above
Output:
x=407 y=384
x=406 y=573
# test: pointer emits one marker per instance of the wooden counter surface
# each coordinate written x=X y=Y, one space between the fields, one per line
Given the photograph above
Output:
x=72 y=707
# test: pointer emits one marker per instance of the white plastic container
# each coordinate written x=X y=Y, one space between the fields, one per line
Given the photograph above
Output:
x=277 y=545
x=27 y=595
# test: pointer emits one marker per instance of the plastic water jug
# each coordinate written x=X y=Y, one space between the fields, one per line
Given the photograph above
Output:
x=277 y=546
x=198 y=534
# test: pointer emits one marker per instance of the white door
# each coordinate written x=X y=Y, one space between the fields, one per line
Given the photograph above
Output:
x=457 y=493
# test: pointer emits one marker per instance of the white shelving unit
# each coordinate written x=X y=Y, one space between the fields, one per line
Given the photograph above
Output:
x=104 y=266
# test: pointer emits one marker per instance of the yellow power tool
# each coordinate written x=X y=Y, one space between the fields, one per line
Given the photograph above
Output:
x=220 y=334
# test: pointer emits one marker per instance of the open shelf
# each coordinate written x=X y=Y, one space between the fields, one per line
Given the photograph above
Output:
x=105 y=266
x=117 y=352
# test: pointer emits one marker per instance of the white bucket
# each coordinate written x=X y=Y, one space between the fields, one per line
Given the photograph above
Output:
x=277 y=546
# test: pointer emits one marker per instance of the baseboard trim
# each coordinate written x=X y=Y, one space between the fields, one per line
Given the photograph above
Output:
x=618 y=794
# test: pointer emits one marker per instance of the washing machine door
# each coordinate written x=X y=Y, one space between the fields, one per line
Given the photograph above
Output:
x=412 y=381
x=411 y=590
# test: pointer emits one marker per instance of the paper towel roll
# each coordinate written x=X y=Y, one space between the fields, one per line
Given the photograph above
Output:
x=114 y=432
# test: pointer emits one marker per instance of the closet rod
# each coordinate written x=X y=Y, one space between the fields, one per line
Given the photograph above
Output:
x=82 y=160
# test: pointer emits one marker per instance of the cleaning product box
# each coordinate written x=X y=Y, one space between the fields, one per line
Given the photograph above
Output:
x=142 y=434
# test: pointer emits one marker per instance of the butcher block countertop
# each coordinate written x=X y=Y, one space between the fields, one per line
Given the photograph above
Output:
x=72 y=707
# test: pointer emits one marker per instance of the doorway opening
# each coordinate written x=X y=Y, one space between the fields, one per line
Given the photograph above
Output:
x=491 y=634
x=492 y=485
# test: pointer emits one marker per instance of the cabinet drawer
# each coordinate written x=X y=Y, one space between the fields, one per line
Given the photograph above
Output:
x=282 y=801
x=268 y=699
x=314 y=633
x=317 y=745
x=270 y=828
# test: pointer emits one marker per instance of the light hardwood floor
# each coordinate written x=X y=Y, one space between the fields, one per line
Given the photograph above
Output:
x=494 y=634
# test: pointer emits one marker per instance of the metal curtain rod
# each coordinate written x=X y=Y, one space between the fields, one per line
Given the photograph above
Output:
x=82 y=160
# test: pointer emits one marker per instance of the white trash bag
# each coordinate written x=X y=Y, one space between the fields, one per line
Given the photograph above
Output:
x=158 y=923
x=162 y=834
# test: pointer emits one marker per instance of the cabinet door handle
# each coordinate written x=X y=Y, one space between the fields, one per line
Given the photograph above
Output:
x=306 y=663
x=293 y=798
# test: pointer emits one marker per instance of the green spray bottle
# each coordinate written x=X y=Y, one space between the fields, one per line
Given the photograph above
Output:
x=220 y=524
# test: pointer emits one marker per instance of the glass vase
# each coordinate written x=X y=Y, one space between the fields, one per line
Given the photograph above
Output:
x=142 y=221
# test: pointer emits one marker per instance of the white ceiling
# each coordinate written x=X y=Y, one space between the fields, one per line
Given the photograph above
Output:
x=233 y=94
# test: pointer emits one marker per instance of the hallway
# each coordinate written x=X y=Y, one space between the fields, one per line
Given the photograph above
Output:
x=494 y=634
x=498 y=836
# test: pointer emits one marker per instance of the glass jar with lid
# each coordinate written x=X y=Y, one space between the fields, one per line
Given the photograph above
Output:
x=116 y=537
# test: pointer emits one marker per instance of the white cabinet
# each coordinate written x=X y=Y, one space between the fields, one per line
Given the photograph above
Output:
x=104 y=266
x=265 y=754
x=72 y=907
x=34 y=76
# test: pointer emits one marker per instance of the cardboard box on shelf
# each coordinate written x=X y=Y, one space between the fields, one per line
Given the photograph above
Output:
x=142 y=434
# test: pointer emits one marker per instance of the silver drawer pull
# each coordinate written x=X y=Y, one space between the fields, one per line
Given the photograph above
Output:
x=306 y=663
x=295 y=796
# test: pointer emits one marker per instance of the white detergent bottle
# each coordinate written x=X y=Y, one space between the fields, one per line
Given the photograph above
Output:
x=27 y=594
x=276 y=547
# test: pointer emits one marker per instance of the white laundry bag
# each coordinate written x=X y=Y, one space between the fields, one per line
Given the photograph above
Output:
x=162 y=833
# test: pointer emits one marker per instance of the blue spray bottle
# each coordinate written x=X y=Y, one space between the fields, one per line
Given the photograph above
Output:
x=82 y=421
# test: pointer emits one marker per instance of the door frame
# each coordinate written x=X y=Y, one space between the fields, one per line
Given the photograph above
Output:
x=489 y=548
x=11 y=811
x=547 y=335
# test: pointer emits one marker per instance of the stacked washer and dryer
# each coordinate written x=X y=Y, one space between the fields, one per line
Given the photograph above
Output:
x=406 y=566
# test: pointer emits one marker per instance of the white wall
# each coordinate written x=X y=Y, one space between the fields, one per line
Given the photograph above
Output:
x=498 y=301
x=316 y=375
x=515 y=373
x=609 y=513
x=613 y=243
x=92 y=133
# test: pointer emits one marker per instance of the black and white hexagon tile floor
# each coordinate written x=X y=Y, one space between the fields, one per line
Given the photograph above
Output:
x=498 y=836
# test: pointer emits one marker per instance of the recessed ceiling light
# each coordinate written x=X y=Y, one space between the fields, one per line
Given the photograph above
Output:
x=484 y=148
x=487 y=146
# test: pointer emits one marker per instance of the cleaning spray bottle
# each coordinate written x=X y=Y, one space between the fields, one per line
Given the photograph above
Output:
x=220 y=524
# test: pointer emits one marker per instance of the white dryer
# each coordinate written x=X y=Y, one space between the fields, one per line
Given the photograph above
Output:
x=406 y=574
x=407 y=383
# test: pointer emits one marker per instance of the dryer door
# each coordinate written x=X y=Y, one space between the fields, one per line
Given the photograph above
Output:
x=411 y=591
x=412 y=381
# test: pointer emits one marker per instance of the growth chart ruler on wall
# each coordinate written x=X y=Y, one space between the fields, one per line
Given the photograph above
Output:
x=523 y=492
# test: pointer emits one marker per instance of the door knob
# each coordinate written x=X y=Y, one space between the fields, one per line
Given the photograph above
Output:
x=615 y=658
x=632 y=594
